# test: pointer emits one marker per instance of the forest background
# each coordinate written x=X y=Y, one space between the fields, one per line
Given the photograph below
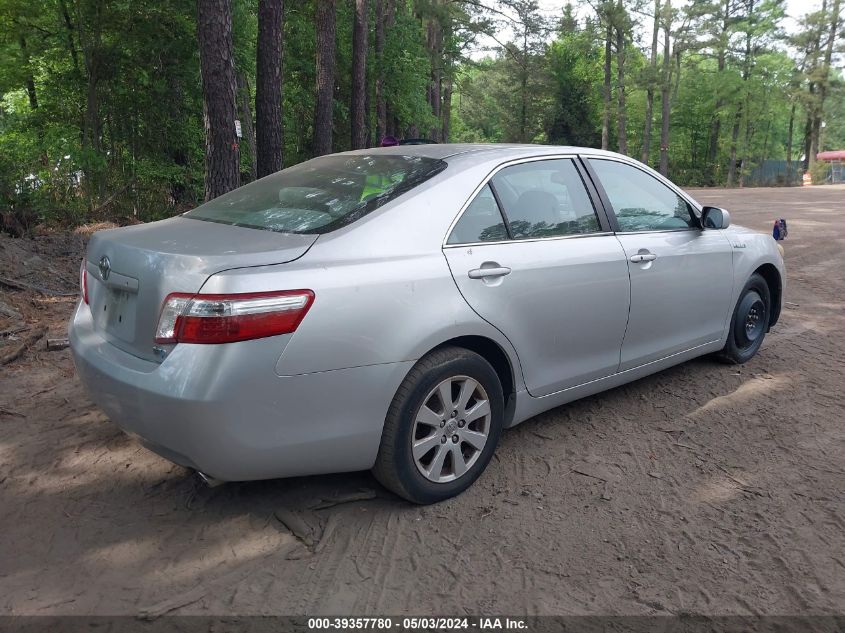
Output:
x=126 y=111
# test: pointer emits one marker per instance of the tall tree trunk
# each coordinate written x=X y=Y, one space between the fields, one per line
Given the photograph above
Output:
x=90 y=15
x=765 y=155
x=217 y=68
x=734 y=141
x=434 y=41
x=523 y=85
x=325 y=76
x=649 y=103
x=91 y=128
x=716 y=122
x=808 y=139
x=368 y=104
x=381 y=103
x=621 y=112
x=677 y=73
x=247 y=126
x=357 y=108
x=268 y=87
x=446 y=110
x=608 y=52
x=742 y=109
x=30 y=80
x=812 y=101
x=71 y=45
x=392 y=122
x=789 y=140
x=90 y=24
x=715 y=131
x=664 y=90
x=749 y=134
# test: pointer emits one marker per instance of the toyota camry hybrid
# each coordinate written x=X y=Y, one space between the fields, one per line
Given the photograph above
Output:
x=394 y=309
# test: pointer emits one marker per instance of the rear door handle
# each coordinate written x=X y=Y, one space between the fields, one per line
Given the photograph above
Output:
x=481 y=273
x=643 y=257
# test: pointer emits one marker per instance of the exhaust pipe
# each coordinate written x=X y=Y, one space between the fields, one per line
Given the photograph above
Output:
x=211 y=482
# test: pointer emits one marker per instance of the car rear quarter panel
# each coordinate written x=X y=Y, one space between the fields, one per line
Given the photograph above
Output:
x=222 y=410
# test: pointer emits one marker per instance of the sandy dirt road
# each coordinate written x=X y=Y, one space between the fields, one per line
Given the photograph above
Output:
x=705 y=489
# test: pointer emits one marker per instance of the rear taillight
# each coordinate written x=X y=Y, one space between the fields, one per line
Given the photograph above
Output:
x=229 y=318
x=83 y=281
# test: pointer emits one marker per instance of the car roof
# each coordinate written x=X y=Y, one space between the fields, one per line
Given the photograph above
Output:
x=452 y=150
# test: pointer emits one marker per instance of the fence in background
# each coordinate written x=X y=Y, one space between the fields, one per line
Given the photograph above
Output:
x=775 y=173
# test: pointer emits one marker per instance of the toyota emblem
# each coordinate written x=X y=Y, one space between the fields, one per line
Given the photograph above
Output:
x=105 y=267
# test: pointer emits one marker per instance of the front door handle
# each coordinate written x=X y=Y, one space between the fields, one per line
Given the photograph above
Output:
x=495 y=271
x=639 y=258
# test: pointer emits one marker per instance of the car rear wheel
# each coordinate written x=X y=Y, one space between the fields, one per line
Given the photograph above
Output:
x=749 y=323
x=442 y=427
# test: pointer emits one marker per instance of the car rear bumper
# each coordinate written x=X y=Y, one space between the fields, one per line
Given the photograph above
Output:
x=205 y=408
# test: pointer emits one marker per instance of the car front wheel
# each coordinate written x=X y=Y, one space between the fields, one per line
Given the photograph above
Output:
x=749 y=323
x=442 y=427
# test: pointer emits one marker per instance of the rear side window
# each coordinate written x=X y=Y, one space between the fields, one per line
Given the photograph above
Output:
x=545 y=198
x=320 y=195
x=481 y=221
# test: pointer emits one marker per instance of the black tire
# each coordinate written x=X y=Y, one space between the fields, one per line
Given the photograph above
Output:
x=749 y=323
x=395 y=465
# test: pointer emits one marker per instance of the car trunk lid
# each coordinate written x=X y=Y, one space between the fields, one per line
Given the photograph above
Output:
x=132 y=269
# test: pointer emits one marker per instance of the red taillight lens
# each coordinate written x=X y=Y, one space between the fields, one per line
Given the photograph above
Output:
x=83 y=282
x=229 y=318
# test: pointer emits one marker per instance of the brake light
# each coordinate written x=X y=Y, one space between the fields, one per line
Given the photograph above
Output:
x=217 y=318
x=83 y=281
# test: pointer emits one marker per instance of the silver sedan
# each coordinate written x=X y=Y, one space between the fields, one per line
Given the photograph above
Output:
x=394 y=309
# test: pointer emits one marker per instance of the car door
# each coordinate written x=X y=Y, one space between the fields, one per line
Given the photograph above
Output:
x=532 y=256
x=681 y=275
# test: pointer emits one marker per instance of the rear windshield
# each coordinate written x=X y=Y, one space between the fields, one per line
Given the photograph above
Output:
x=320 y=195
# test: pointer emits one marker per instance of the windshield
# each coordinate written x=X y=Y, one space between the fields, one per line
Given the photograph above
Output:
x=320 y=195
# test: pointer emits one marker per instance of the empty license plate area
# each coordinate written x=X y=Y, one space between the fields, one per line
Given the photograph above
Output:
x=114 y=313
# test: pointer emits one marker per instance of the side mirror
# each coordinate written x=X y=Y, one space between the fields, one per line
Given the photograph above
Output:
x=715 y=218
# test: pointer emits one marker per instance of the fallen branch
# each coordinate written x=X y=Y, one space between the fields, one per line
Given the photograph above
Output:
x=13 y=330
x=350 y=497
x=22 y=285
x=304 y=525
x=28 y=341
x=9 y=311
x=54 y=344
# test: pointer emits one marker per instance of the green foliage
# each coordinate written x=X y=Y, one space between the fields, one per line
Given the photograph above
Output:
x=129 y=67
x=834 y=131
x=406 y=72
x=479 y=116
x=101 y=113
x=576 y=67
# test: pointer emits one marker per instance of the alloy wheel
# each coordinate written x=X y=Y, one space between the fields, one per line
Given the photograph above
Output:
x=451 y=428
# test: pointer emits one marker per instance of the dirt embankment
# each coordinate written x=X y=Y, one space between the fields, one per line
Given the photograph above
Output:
x=704 y=489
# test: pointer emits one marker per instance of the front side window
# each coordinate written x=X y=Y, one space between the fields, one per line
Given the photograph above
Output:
x=320 y=195
x=640 y=201
x=545 y=198
x=481 y=221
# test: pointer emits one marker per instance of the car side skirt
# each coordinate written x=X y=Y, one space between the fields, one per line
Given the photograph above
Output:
x=528 y=406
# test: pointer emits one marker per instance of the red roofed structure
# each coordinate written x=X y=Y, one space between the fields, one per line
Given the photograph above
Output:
x=831 y=156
